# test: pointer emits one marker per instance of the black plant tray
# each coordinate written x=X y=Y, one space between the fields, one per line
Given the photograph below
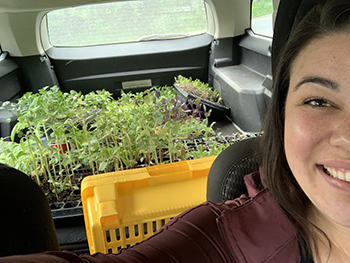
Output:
x=68 y=218
x=72 y=206
x=66 y=209
x=216 y=108
x=70 y=226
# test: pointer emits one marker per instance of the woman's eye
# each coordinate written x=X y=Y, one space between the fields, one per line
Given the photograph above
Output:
x=317 y=102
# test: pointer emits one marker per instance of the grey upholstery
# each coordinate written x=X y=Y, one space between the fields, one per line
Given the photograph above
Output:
x=225 y=179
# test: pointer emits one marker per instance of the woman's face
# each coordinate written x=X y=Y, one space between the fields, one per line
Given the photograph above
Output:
x=317 y=126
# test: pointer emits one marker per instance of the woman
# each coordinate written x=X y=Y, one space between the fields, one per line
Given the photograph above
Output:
x=309 y=131
x=299 y=211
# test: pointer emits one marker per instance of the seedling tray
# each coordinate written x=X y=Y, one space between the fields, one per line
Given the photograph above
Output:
x=217 y=109
x=74 y=208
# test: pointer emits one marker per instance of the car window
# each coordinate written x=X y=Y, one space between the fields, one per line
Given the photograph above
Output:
x=126 y=21
x=262 y=17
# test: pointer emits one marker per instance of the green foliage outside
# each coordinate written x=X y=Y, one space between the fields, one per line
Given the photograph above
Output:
x=261 y=8
x=125 y=21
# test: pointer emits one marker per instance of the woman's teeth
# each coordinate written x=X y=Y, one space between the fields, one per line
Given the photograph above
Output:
x=342 y=175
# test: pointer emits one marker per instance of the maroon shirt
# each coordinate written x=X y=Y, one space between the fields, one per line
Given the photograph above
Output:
x=246 y=230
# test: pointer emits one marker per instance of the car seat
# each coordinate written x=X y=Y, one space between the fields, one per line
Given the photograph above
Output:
x=225 y=178
x=26 y=224
x=288 y=16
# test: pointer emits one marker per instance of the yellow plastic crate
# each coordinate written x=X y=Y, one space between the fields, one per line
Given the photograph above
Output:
x=123 y=208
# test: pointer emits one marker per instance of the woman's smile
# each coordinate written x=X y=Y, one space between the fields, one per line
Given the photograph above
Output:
x=336 y=177
x=339 y=173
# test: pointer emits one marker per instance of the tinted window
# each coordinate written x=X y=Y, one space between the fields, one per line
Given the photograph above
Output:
x=262 y=17
x=126 y=21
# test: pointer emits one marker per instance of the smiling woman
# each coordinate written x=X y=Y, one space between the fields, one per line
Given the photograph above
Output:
x=297 y=208
x=312 y=128
x=317 y=113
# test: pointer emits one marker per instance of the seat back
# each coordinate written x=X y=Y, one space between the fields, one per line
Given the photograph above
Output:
x=288 y=16
x=26 y=224
x=225 y=178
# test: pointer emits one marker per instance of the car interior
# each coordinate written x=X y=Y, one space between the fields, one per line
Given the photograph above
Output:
x=228 y=55
x=38 y=48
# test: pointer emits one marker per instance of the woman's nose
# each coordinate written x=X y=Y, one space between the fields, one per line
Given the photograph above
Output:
x=340 y=136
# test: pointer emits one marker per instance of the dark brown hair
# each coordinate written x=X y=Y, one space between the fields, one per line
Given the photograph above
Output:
x=321 y=21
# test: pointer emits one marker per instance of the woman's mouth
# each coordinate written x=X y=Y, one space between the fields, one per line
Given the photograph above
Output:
x=337 y=173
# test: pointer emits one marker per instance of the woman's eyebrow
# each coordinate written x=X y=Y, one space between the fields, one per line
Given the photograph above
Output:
x=320 y=81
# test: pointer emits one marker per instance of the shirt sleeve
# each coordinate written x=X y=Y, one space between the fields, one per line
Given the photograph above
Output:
x=193 y=236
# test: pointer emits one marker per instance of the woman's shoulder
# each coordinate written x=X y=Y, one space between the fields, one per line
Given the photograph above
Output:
x=260 y=219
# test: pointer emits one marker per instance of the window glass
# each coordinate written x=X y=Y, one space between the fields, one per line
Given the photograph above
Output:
x=126 y=21
x=262 y=17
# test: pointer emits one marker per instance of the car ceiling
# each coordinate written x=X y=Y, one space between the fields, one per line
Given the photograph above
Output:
x=32 y=5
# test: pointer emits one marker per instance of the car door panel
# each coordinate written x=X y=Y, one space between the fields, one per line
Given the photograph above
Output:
x=242 y=75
